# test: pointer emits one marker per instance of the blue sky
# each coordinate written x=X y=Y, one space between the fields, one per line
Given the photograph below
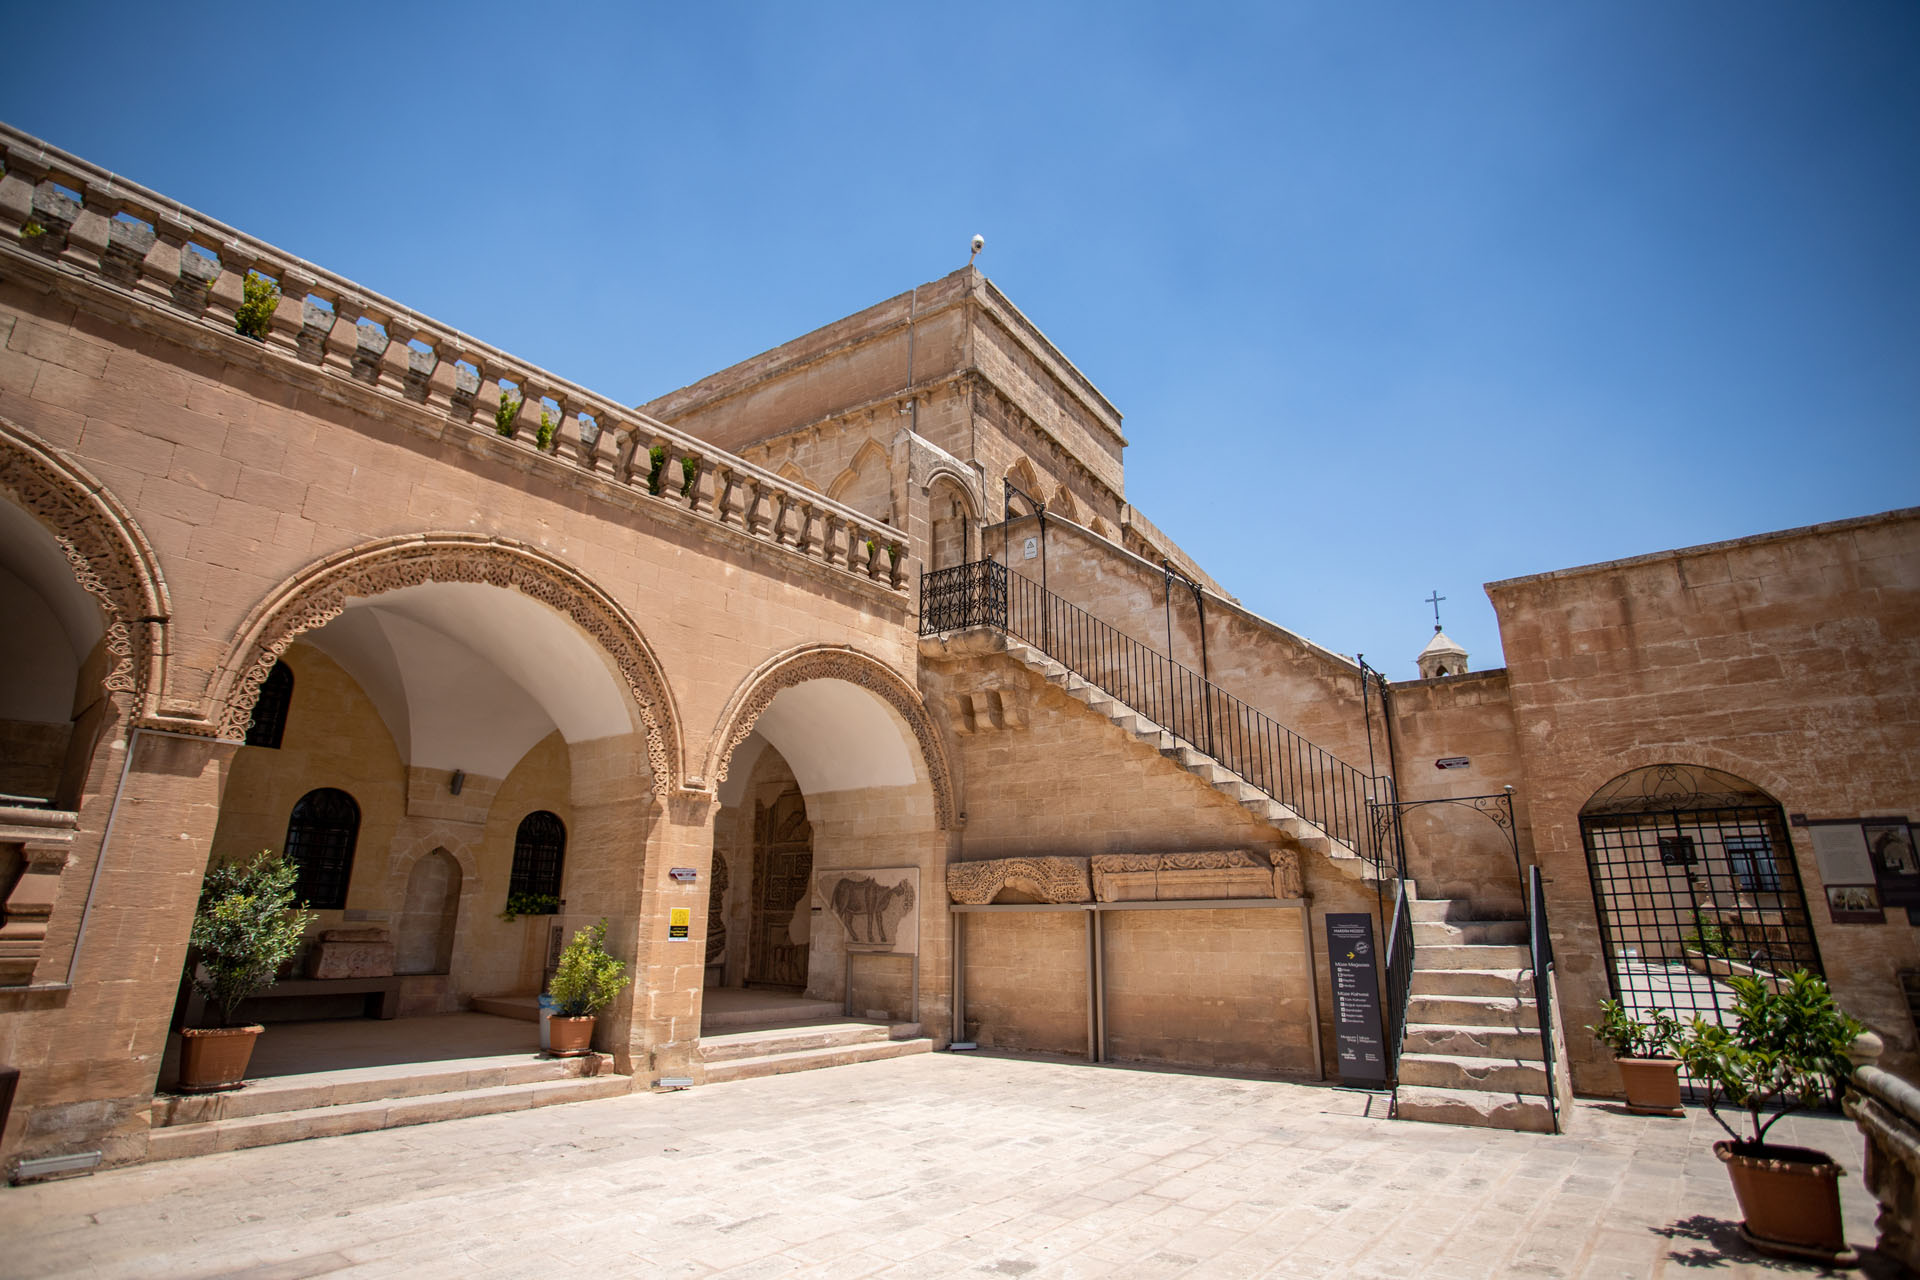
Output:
x=1394 y=297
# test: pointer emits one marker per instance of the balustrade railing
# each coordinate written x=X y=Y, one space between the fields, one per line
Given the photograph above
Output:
x=1540 y=945
x=58 y=207
x=1399 y=975
x=1313 y=782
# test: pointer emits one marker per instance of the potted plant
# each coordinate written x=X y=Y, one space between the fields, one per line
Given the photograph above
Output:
x=244 y=929
x=586 y=981
x=1644 y=1053
x=1787 y=1049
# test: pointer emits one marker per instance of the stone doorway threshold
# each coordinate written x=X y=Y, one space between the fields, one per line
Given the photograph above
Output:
x=750 y=1033
x=352 y=1075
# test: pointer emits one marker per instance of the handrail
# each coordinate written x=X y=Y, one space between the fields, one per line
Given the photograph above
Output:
x=1313 y=782
x=1399 y=976
x=1540 y=944
x=150 y=248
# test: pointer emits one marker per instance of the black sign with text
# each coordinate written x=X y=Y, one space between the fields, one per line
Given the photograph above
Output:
x=1356 y=1000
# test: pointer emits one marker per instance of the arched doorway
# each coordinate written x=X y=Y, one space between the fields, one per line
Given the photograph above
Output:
x=1694 y=882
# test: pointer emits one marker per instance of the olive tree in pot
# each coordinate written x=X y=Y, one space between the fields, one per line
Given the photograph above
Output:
x=1787 y=1049
x=1644 y=1053
x=586 y=981
x=244 y=929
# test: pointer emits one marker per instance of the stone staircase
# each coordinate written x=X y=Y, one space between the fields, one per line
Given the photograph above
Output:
x=769 y=1051
x=325 y=1104
x=1472 y=1053
x=1307 y=835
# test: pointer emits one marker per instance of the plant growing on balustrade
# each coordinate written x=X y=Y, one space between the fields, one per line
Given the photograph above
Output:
x=32 y=231
x=543 y=438
x=254 y=316
x=507 y=414
x=688 y=470
x=244 y=930
x=657 y=456
x=893 y=557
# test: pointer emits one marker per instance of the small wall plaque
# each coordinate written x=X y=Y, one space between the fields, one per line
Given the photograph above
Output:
x=680 y=924
x=1452 y=762
x=1030 y=548
x=684 y=875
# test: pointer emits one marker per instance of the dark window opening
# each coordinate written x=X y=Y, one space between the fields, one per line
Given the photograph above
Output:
x=270 y=711
x=539 y=853
x=320 y=840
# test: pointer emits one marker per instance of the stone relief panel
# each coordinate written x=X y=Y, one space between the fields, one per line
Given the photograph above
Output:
x=1044 y=879
x=875 y=908
x=1185 y=877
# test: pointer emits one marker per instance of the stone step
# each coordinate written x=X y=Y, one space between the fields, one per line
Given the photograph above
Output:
x=1441 y=933
x=1475 y=1107
x=784 y=1013
x=1493 y=1075
x=1471 y=982
x=1471 y=957
x=526 y=1008
x=810 y=1059
x=271 y=1094
x=1474 y=1042
x=759 y=1044
x=177 y=1141
x=1471 y=1011
x=1456 y=910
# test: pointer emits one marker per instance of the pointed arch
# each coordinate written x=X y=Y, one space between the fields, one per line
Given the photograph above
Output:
x=867 y=455
x=1064 y=505
x=110 y=557
x=830 y=662
x=1026 y=480
x=319 y=594
x=788 y=471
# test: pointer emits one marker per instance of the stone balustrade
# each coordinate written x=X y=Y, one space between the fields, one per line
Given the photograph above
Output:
x=1887 y=1110
x=60 y=208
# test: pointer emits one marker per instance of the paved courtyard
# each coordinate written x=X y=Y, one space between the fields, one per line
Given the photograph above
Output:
x=936 y=1165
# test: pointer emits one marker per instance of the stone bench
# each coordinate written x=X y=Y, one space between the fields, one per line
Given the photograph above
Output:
x=382 y=995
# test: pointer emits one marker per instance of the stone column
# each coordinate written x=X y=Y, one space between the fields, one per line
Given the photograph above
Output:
x=87 y=238
x=664 y=1036
x=160 y=269
x=614 y=813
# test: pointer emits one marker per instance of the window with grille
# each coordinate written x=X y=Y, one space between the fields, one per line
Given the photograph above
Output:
x=320 y=839
x=270 y=712
x=1753 y=865
x=539 y=852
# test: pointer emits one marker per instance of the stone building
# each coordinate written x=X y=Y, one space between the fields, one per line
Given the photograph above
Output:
x=849 y=677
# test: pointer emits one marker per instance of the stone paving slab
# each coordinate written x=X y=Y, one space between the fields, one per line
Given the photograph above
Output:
x=934 y=1165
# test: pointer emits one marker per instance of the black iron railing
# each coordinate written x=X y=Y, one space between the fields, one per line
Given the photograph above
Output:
x=1399 y=975
x=1541 y=945
x=1314 y=783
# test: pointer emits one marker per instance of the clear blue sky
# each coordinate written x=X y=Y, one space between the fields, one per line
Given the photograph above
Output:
x=1394 y=297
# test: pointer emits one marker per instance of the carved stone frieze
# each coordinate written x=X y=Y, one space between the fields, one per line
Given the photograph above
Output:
x=321 y=595
x=1046 y=879
x=1173 y=877
x=856 y=668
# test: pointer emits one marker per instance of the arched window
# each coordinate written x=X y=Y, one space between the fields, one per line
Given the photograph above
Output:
x=320 y=839
x=539 y=852
x=270 y=712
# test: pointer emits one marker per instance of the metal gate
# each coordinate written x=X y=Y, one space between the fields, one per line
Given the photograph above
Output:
x=1694 y=882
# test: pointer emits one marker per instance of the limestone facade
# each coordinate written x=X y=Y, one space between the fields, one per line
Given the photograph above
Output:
x=689 y=635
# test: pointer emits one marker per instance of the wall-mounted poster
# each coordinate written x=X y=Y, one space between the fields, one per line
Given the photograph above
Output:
x=1895 y=868
x=1840 y=851
x=1855 y=904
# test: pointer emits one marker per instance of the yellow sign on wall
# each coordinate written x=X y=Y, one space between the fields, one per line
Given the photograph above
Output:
x=679 y=924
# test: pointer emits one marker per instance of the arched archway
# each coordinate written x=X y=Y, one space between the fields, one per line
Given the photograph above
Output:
x=1694 y=881
x=952 y=520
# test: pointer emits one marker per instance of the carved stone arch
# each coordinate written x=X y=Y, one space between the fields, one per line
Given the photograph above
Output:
x=1026 y=479
x=868 y=452
x=318 y=594
x=110 y=557
x=790 y=472
x=965 y=480
x=830 y=662
x=1064 y=504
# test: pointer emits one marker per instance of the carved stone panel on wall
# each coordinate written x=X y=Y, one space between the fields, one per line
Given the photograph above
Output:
x=876 y=908
x=1183 y=877
x=1019 y=880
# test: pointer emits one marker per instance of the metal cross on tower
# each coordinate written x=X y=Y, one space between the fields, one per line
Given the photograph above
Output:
x=1435 y=600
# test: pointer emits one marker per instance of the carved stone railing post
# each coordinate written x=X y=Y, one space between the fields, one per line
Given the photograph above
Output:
x=160 y=269
x=290 y=315
x=803 y=536
x=590 y=433
x=343 y=339
x=230 y=289
x=444 y=380
x=17 y=186
x=397 y=360
x=89 y=235
x=44 y=838
x=562 y=445
x=831 y=548
x=784 y=501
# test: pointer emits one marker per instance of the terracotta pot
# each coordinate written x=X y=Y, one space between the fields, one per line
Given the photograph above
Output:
x=215 y=1057
x=1790 y=1196
x=570 y=1037
x=1653 y=1085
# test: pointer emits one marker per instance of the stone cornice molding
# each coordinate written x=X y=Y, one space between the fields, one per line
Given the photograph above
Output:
x=828 y=662
x=319 y=593
x=110 y=557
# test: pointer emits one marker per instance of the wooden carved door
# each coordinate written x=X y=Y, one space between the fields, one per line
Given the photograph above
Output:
x=782 y=881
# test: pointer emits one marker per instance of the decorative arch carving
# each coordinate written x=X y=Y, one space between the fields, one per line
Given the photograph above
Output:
x=867 y=453
x=966 y=482
x=1064 y=503
x=831 y=662
x=1025 y=480
x=318 y=594
x=790 y=472
x=111 y=558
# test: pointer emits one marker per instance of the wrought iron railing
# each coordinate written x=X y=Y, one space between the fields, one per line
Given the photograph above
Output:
x=1540 y=943
x=1399 y=975
x=1314 y=783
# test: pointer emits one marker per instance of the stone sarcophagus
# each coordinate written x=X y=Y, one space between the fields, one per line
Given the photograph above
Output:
x=351 y=953
x=1186 y=877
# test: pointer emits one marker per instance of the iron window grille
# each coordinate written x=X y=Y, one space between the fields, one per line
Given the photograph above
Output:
x=539 y=855
x=320 y=840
